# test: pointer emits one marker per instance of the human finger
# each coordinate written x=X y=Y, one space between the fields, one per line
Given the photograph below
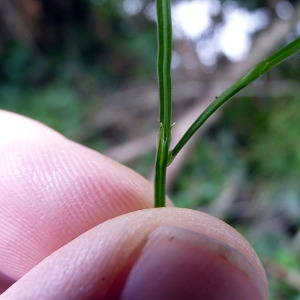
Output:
x=52 y=190
x=166 y=253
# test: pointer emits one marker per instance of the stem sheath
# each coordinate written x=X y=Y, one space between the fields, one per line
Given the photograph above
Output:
x=164 y=34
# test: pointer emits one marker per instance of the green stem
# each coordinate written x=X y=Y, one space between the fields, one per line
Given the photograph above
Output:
x=164 y=33
x=259 y=70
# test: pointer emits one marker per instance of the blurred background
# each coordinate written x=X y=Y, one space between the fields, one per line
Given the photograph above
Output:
x=88 y=69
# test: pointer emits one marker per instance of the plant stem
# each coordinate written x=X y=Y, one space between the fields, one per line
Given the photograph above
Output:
x=259 y=70
x=164 y=34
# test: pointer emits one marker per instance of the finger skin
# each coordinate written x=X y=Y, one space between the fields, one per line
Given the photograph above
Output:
x=97 y=263
x=52 y=190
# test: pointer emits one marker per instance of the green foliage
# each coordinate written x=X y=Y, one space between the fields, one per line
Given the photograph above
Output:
x=268 y=132
x=57 y=106
x=56 y=76
x=18 y=65
x=203 y=176
x=276 y=148
x=147 y=56
x=209 y=166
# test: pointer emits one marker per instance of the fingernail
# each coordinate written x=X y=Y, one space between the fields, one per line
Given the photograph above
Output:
x=176 y=263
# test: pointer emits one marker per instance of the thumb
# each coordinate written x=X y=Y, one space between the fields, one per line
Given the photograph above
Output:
x=166 y=253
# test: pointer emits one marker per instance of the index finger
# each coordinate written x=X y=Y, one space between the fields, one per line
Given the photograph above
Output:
x=52 y=190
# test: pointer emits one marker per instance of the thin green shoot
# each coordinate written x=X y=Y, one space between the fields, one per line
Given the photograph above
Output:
x=260 y=69
x=164 y=33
